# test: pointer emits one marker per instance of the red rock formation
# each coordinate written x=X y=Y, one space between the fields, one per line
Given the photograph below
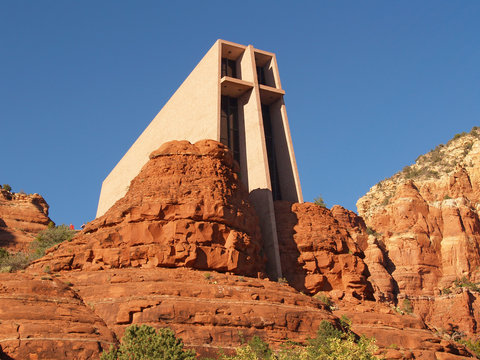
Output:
x=429 y=228
x=44 y=319
x=186 y=210
x=399 y=336
x=186 y=207
x=317 y=252
x=208 y=310
x=22 y=216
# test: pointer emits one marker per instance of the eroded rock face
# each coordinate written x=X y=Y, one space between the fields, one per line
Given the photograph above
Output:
x=317 y=251
x=42 y=318
x=430 y=243
x=186 y=207
x=22 y=217
x=426 y=221
x=399 y=336
x=208 y=310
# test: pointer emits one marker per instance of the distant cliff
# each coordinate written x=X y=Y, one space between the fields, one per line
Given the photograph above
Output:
x=425 y=219
x=22 y=216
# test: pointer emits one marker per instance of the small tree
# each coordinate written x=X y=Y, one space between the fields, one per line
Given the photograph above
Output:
x=145 y=343
x=7 y=187
x=49 y=237
x=319 y=201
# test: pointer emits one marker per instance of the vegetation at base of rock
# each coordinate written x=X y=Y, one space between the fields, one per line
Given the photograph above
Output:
x=319 y=201
x=324 y=299
x=472 y=345
x=464 y=282
x=370 y=231
x=6 y=187
x=145 y=343
x=11 y=262
x=329 y=344
x=433 y=164
x=407 y=307
x=50 y=237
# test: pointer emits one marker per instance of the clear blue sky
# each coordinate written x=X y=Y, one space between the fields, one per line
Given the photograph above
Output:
x=370 y=85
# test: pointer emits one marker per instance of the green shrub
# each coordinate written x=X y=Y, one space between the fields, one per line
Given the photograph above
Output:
x=329 y=344
x=458 y=136
x=345 y=323
x=324 y=299
x=472 y=345
x=145 y=343
x=15 y=261
x=465 y=282
x=50 y=237
x=10 y=262
x=319 y=201
x=407 y=307
x=7 y=187
x=445 y=291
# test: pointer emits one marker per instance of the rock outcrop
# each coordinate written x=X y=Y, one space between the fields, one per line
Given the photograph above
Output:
x=425 y=220
x=208 y=310
x=317 y=251
x=186 y=208
x=22 y=216
x=174 y=252
x=399 y=336
x=42 y=318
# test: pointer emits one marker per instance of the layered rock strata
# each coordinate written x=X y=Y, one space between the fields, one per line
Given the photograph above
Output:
x=42 y=318
x=399 y=336
x=208 y=310
x=187 y=211
x=186 y=207
x=22 y=216
x=426 y=222
x=318 y=253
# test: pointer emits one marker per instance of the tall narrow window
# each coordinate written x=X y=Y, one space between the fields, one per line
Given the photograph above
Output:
x=229 y=126
x=272 y=161
x=261 y=75
x=229 y=68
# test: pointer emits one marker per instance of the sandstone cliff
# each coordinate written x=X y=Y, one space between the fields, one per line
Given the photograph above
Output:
x=425 y=220
x=22 y=216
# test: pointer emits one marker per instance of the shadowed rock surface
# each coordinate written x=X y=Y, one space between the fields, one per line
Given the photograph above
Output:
x=317 y=251
x=22 y=217
x=426 y=221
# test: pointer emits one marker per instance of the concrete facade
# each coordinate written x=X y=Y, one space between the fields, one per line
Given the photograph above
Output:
x=234 y=96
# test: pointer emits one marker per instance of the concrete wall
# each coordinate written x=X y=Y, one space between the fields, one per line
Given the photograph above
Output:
x=286 y=163
x=190 y=114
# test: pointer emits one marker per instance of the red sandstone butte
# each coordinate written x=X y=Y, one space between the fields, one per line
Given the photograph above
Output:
x=186 y=207
x=22 y=216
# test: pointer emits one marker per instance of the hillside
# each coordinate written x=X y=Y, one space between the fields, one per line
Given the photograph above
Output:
x=431 y=170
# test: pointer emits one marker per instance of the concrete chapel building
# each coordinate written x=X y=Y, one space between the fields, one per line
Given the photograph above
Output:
x=234 y=96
